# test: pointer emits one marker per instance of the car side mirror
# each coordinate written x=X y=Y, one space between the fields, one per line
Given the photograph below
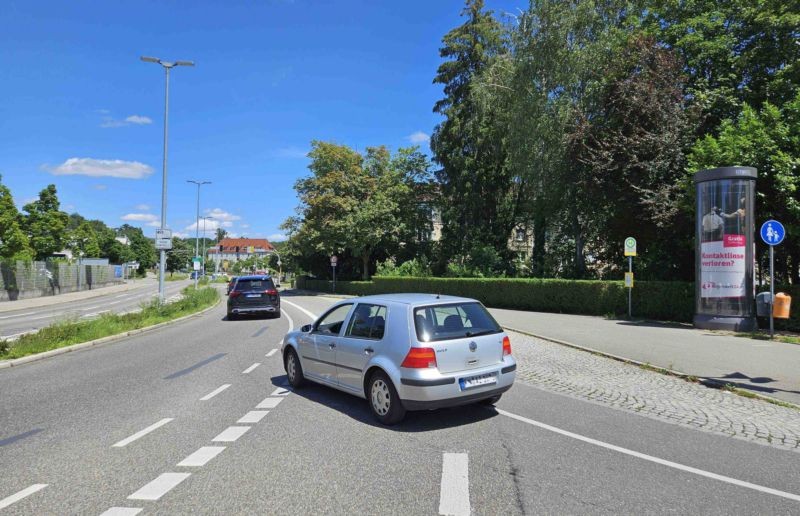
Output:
x=306 y=328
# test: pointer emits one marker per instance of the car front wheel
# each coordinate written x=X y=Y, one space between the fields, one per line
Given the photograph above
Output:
x=384 y=401
x=294 y=371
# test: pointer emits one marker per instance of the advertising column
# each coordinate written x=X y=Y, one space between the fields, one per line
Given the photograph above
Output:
x=725 y=249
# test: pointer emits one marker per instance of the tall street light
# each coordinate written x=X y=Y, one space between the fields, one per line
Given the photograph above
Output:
x=197 y=222
x=204 y=243
x=163 y=253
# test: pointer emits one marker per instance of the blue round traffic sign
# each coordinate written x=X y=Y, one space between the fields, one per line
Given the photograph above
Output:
x=772 y=232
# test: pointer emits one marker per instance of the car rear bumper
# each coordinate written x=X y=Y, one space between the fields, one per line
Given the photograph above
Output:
x=433 y=391
x=254 y=309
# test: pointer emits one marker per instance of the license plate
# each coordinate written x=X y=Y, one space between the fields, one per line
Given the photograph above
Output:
x=253 y=295
x=477 y=381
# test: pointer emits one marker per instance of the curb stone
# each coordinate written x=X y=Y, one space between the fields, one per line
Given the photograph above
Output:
x=708 y=382
x=4 y=364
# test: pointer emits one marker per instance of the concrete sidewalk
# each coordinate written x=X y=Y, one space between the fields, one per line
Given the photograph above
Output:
x=764 y=367
x=38 y=302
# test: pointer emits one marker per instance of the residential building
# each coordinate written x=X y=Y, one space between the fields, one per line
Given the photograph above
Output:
x=232 y=250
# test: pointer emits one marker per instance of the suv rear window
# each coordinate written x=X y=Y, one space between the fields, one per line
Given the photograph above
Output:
x=254 y=284
x=453 y=321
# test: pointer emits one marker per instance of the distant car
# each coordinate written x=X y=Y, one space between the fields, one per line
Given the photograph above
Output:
x=254 y=295
x=404 y=352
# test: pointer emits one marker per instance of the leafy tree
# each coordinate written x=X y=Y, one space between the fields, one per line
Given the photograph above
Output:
x=143 y=248
x=474 y=177
x=13 y=240
x=179 y=256
x=45 y=224
x=83 y=241
x=221 y=233
x=768 y=139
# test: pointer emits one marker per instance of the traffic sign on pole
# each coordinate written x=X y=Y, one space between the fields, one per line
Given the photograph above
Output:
x=630 y=246
x=163 y=239
x=772 y=232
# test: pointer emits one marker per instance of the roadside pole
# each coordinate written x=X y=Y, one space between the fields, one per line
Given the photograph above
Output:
x=334 y=260
x=630 y=252
x=772 y=233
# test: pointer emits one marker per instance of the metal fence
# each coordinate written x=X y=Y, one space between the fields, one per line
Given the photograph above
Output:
x=20 y=280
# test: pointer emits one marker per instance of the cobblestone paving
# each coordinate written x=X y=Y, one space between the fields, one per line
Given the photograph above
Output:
x=580 y=374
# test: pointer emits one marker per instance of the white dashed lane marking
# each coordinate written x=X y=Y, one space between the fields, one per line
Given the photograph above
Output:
x=215 y=392
x=650 y=458
x=159 y=487
x=5 y=502
x=269 y=403
x=454 y=493
x=231 y=434
x=250 y=369
x=142 y=433
x=271 y=353
x=201 y=456
x=254 y=416
x=121 y=511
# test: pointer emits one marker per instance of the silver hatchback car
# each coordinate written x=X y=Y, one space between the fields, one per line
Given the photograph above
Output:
x=404 y=352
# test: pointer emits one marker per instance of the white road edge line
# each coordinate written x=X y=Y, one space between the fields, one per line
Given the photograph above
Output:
x=271 y=353
x=215 y=392
x=291 y=322
x=201 y=456
x=122 y=511
x=231 y=433
x=142 y=433
x=650 y=458
x=269 y=403
x=18 y=315
x=160 y=486
x=254 y=416
x=454 y=493
x=313 y=317
x=5 y=502
x=251 y=368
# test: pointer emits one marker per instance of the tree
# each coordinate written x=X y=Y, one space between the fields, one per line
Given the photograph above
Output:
x=475 y=179
x=13 y=240
x=83 y=241
x=143 y=248
x=221 y=234
x=179 y=256
x=45 y=224
x=768 y=139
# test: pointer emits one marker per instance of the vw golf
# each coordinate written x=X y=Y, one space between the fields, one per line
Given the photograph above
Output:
x=404 y=352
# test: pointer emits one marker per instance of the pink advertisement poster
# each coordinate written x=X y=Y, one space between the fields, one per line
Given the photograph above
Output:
x=722 y=267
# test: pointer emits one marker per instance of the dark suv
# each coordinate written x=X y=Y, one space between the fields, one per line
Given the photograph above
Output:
x=254 y=295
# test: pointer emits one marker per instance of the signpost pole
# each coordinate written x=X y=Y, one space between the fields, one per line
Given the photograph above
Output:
x=771 y=289
x=630 y=269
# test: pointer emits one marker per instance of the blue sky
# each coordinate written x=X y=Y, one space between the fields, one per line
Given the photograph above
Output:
x=80 y=110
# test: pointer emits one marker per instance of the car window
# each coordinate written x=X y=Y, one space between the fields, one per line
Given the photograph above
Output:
x=368 y=321
x=454 y=321
x=254 y=284
x=331 y=323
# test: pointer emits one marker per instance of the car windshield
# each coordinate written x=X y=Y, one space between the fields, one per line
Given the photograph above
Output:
x=453 y=321
x=254 y=284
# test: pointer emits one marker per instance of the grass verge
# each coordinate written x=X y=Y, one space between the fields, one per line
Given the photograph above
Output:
x=175 y=277
x=66 y=333
x=760 y=335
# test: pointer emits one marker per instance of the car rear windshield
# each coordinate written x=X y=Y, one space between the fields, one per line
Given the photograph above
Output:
x=453 y=321
x=254 y=284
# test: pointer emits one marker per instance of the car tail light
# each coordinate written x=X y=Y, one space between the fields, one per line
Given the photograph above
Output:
x=234 y=293
x=271 y=292
x=420 y=358
x=506 y=346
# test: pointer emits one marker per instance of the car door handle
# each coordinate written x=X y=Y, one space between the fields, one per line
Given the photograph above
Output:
x=369 y=350
x=331 y=345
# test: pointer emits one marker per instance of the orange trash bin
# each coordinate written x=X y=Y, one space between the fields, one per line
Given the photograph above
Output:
x=781 y=306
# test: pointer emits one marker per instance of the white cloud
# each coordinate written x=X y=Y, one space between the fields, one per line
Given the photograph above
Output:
x=277 y=237
x=290 y=152
x=142 y=207
x=222 y=217
x=178 y=234
x=244 y=226
x=154 y=224
x=100 y=168
x=418 y=138
x=139 y=120
x=210 y=225
x=140 y=217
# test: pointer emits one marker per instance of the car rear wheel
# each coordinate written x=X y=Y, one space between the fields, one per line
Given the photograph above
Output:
x=294 y=371
x=384 y=401
x=231 y=316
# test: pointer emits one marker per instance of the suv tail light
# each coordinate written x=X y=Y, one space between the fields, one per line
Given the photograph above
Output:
x=420 y=358
x=506 y=346
x=271 y=292
x=234 y=293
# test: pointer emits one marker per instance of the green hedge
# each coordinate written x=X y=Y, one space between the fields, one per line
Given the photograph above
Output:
x=662 y=300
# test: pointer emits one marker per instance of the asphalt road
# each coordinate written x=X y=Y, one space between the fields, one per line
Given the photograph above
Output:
x=13 y=323
x=69 y=428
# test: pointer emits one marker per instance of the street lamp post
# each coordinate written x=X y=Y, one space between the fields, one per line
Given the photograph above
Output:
x=162 y=252
x=197 y=223
x=204 y=244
